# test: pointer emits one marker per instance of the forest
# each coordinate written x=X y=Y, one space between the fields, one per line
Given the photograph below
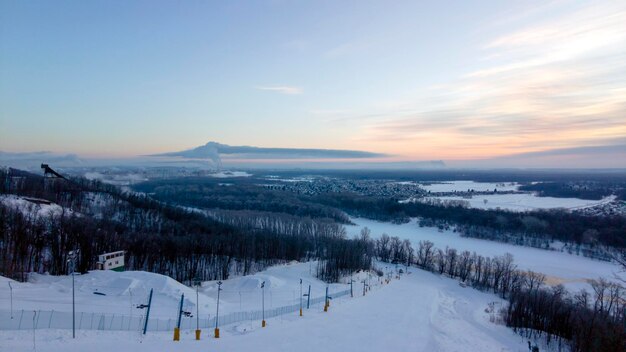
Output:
x=210 y=193
x=584 y=190
x=98 y=218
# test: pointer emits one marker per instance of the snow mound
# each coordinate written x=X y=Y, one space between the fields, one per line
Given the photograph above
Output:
x=28 y=206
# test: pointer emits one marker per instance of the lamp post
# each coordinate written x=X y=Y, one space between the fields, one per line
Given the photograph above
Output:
x=263 y=304
x=11 y=289
x=351 y=291
x=197 y=283
x=130 y=293
x=72 y=256
x=326 y=303
x=217 y=314
x=300 y=297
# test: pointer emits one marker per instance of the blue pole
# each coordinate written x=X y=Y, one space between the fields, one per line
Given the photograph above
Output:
x=145 y=324
x=180 y=310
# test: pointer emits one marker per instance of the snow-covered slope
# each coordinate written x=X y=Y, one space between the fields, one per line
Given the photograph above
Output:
x=119 y=293
x=419 y=312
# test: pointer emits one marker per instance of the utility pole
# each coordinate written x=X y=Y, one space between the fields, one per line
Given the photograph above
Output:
x=351 y=292
x=197 y=283
x=326 y=300
x=263 y=303
x=11 y=289
x=217 y=314
x=130 y=321
x=72 y=256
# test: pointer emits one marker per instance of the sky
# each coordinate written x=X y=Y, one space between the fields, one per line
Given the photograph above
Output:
x=415 y=80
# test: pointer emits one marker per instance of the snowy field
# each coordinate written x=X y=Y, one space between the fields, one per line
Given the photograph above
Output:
x=419 y=312
x=570 y=270
x=527 y=201
x=463 y=186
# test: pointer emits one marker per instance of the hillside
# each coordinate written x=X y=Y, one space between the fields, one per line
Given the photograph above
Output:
x=419 y=312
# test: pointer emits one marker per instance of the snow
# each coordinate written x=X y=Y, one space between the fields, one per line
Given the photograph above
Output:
x=420 y=312
x=463 y=186
x=282 y=287
x=54 y=292
x=26 y=206
x=527 y=201
x=241 y=293
x=571 y=270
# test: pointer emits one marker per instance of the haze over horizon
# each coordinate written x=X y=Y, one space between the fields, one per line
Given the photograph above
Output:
x=477 y=84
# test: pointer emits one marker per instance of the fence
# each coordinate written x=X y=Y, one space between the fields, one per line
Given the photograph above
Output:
x=46 y=319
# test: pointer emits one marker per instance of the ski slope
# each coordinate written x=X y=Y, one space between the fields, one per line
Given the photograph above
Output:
x=420 y=312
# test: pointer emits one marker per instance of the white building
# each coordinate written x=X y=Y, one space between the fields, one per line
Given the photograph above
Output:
x=111 y=261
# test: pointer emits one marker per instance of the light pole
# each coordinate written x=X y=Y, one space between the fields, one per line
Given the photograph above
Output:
x=72 y=256
x=130 y=293
x=351 y=291
x=300 y=297
x=11 y=289
x=217 y=314
x=197 y=283
x=263 y=304
x=326 y=303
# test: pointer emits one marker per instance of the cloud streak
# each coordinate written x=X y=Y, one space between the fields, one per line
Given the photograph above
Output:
x=556 y=83
x=287 y=90
x=215 y=151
